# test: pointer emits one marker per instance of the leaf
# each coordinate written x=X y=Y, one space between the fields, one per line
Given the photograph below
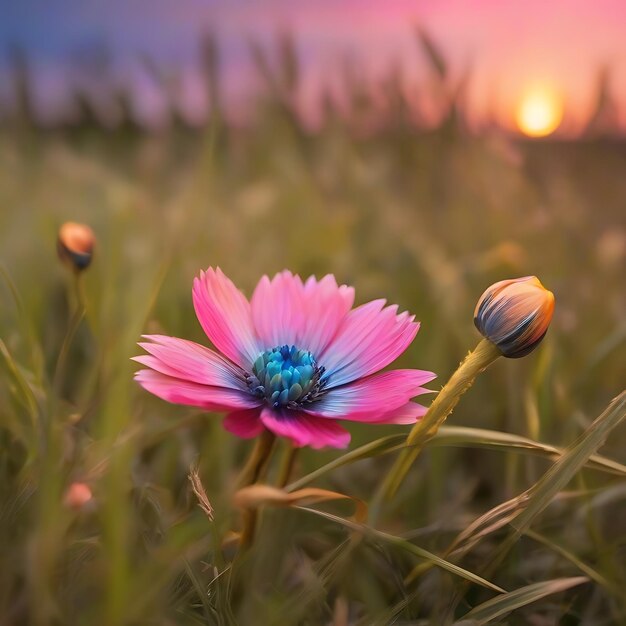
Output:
x=496 y=440
x=500 y=605
x=254 y=496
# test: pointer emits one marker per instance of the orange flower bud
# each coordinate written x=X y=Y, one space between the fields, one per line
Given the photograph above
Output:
x=75 y=245
x=77 y=496
x=515 y=315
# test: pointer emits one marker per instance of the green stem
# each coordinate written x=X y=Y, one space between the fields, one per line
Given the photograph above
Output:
x=257 y=461
x=286 y=467
x=72 y=327
x=253 y=471
x=463 y=378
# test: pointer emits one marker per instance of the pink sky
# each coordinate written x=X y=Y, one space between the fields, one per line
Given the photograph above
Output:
x=504 y=44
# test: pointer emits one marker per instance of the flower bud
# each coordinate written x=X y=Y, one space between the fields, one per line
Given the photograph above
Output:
x=515 y=315
x=77 y=496
x=75 y=245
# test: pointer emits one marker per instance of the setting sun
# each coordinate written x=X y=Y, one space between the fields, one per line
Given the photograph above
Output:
x=539 y=112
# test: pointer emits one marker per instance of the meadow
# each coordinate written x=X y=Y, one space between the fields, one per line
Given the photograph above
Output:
x=427 y=219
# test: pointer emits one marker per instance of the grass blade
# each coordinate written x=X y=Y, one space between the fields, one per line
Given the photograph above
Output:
x=408 y=547
x=457 y=436
x=553 y=481
x=27 y=396
x=503 y=604
x=572 y=558
x=374 y=448
x=24 y=321
x=496 y=440
x=521 y=510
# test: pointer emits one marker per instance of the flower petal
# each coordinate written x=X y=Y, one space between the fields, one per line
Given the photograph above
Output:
x=245 y=424
x=287 y=312
x=190 y=361
x=327 y=305
x=225 y=316
x=193 y=394
x=278 y=310
x=369 y=338
x=376 y=399
x=406 y=414
x=305 y=430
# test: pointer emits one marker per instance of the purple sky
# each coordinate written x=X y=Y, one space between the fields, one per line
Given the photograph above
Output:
x=505 y=44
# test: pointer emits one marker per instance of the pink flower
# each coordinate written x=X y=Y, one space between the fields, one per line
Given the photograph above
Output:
x=294 y=360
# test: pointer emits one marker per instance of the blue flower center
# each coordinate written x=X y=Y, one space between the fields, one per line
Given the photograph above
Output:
x=287 y=377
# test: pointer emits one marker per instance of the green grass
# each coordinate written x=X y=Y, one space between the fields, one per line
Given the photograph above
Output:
x=425 y=219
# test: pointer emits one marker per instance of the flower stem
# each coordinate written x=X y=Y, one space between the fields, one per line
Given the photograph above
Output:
x=257 y=461
x=287 y=464
x=252 y=472
x=463 y=378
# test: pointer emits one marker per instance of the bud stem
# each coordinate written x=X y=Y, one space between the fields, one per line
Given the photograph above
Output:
x=72 y=327
x=463 y=378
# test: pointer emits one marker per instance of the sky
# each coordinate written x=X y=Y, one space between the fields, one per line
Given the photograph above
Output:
x=500 y=46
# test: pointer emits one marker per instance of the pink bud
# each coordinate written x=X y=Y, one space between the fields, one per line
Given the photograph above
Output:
x=75 y=245
x=515 y=315
x=77 y=496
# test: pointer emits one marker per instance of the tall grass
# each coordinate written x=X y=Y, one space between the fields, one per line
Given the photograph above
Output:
x=425 y=218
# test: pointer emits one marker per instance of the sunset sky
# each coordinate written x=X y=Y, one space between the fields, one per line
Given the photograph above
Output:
x=505 y=46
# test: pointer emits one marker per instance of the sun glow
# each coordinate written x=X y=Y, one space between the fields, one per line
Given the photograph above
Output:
x=539 y=111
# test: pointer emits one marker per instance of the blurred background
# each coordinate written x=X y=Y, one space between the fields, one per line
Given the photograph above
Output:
x=536 y=66
x=417 y=150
